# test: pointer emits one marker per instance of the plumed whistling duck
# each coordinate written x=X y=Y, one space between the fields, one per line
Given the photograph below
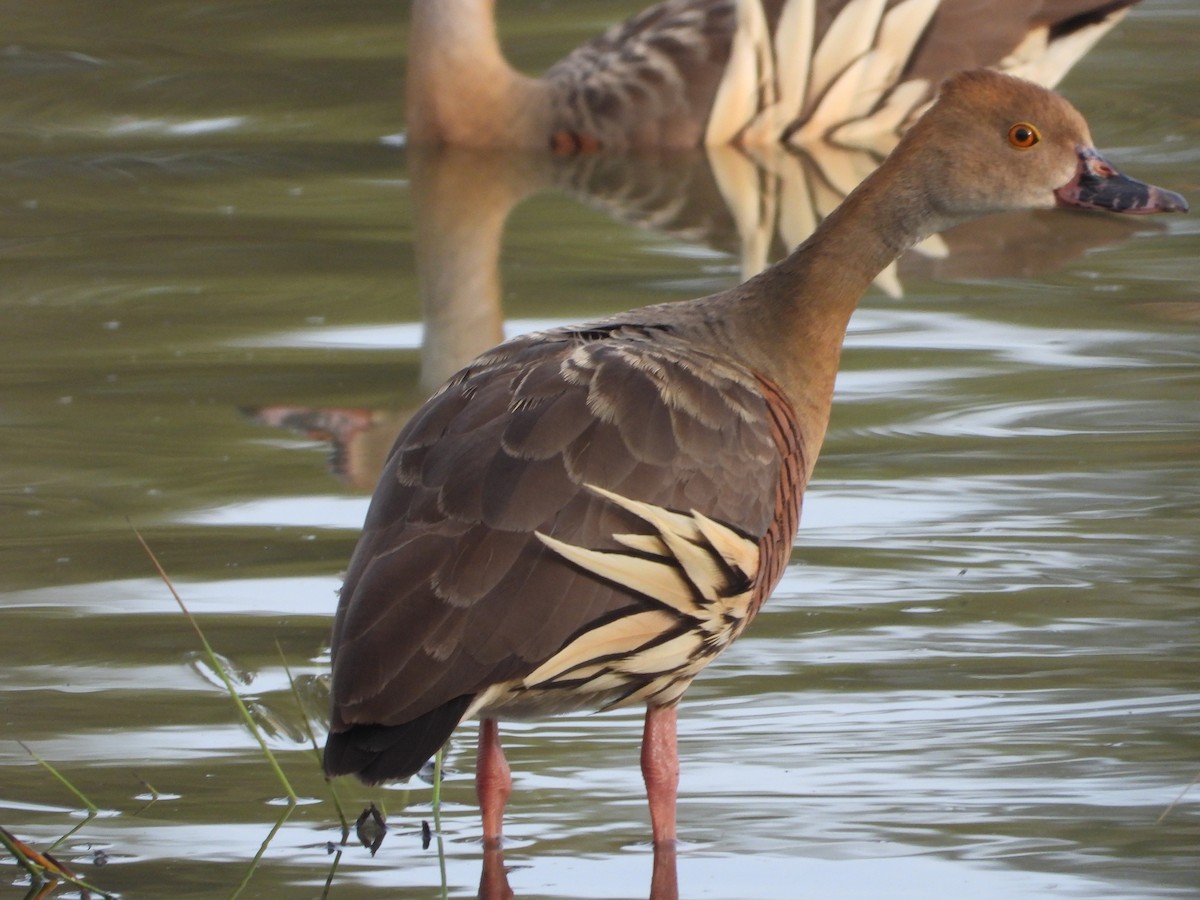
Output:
x=688 y=72
x=586 y=516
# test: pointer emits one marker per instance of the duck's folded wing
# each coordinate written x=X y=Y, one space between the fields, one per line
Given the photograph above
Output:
x=473 y=571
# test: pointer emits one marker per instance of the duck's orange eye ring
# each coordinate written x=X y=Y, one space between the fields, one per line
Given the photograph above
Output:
x=1023 y=136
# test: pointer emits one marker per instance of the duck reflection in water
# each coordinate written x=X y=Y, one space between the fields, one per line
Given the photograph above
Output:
x=758 y=187
x=753 y=207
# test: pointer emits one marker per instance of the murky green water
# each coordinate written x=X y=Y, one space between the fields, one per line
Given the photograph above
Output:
x=980 y=676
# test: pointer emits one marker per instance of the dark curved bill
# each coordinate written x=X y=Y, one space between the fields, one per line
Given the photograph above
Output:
x=1098 y=185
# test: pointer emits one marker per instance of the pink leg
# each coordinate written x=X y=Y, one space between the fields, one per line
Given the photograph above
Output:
x=664 y=883
x=493 y=881
x=660 y=769
x=493 y=781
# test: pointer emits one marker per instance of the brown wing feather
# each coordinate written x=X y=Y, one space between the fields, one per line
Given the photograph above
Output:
x=450 y=591
x=649 y=80
x=969 y=33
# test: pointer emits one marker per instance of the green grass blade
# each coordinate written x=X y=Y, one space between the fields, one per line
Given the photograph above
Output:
x=287 y=811
x=1171 y=806
x=220 y=670
x=49 y=873
x=337 y=803
x=35 y=871
x=91 y=807
x=437 y=816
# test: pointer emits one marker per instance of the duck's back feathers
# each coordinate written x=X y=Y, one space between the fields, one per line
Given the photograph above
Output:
x=473 y=570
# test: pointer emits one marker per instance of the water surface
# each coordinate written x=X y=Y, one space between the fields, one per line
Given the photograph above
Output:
x=979 y=676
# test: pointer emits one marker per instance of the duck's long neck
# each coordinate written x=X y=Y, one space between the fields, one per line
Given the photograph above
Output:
x=461 y=89
x=791 y=319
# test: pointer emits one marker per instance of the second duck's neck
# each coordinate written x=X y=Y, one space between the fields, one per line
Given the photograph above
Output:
x=461 y=89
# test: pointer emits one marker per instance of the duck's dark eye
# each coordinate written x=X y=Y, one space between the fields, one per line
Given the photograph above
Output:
x=1023 y=136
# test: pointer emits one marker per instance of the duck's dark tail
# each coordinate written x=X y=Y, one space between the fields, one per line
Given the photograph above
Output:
x=377 y=753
